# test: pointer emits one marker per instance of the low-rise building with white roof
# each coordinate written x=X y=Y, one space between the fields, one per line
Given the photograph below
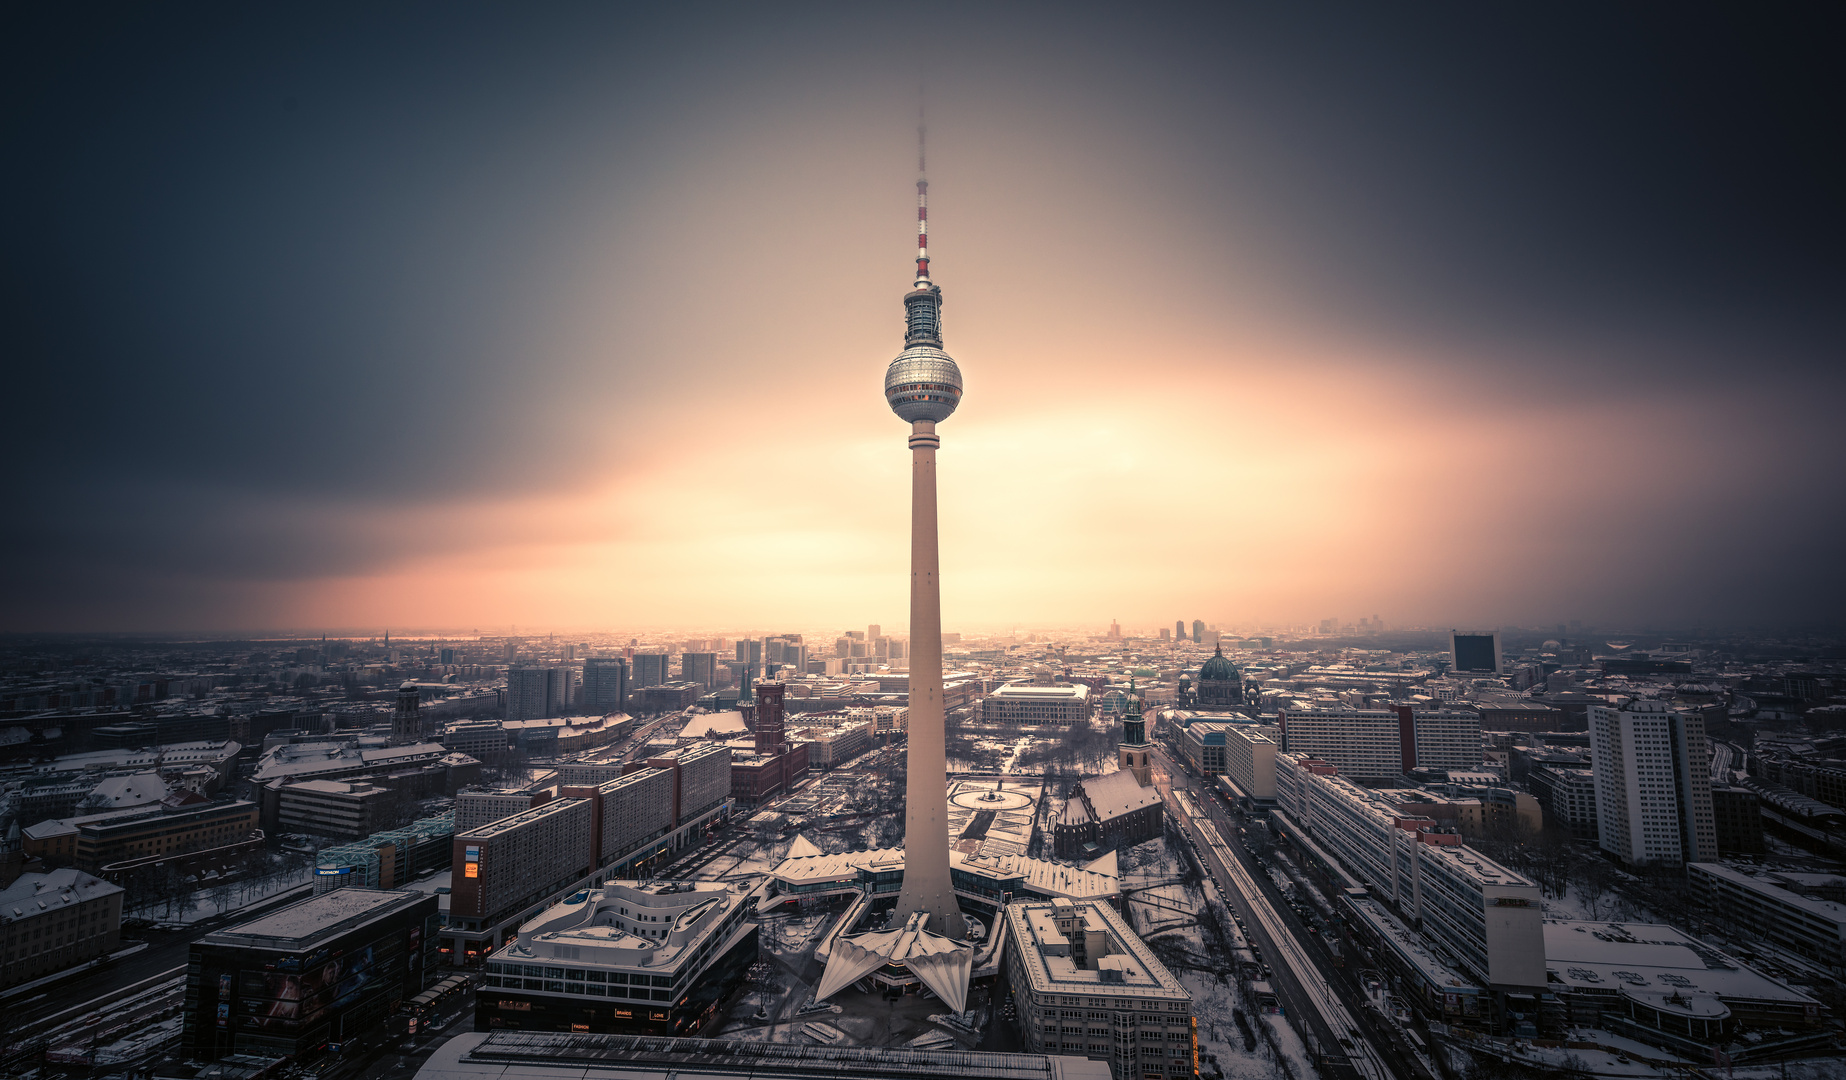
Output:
x=1031 y=704
x=645 y=958
x=1666 y=988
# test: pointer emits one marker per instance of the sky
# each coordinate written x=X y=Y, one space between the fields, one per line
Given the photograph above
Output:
x=574 y=316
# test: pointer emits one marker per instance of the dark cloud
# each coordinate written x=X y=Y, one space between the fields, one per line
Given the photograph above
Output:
x=296 y=257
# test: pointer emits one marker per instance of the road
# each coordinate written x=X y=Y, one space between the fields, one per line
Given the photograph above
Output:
x=1721 y=762
x=1303 y=975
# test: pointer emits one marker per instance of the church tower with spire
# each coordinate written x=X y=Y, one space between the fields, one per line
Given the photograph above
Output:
x=1134 y=748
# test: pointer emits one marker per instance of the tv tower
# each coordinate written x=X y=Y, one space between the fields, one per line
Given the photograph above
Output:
x=923 y=386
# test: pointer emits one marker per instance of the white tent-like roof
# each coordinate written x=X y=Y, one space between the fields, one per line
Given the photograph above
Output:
x=943 y=965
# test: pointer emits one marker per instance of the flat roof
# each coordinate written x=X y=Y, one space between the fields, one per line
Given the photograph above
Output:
x=523 y=818
x=305 y=922
x=1409 y=947
x=1033 y=926
x=1076 y=692
x=1825 y=910
x=1653 y=958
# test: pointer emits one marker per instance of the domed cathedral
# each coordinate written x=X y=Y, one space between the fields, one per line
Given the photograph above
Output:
x=1220 y=686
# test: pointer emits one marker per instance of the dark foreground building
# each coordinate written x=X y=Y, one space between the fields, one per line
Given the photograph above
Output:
x=326 y=969
x=535 y=1056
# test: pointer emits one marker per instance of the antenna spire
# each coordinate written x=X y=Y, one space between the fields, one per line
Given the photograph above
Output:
x=922 y=198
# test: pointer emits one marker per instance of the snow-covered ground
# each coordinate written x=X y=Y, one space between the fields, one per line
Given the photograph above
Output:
x=1162 y=908
x=205 y=903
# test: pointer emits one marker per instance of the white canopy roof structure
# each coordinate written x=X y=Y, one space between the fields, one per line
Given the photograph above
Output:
x=802 y=848
x=943 y=965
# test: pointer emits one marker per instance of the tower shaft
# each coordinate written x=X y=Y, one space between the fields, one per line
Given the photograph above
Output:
x=926 y=825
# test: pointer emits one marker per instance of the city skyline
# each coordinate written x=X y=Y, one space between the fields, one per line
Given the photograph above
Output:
x=567 y=323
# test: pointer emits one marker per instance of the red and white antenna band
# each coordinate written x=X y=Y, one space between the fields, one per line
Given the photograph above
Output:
x=922 y=204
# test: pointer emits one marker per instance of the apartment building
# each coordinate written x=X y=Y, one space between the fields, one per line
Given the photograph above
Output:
x=1250 y=763
x=1567 y=796
x=1201 y=743
x=607 y=821
x=519 y=860
x=1484 y=917
x=1653 y=784
x=344 y=809
x=1384 y=743
x=1085 y=985
x=1771 y=904
x=481 y=806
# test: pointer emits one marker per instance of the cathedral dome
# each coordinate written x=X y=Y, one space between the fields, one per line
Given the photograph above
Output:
x=1218 y=668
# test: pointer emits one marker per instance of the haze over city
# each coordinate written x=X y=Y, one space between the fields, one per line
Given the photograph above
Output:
x=484 y=319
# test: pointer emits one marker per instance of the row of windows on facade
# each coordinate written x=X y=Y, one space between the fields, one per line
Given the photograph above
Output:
x=588 y=990
x=579 y=975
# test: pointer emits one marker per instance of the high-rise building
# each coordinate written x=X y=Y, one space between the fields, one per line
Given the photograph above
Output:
x=1384 y=743
x=1476 y=653
x=605 y=684
x=699 y=667
x=535 y=693
x=406 y=721
x=1179 y=630
x=1653 y=784
x=1738 y=814
x=874 y=630
x=1198 y=630
x=650 y=669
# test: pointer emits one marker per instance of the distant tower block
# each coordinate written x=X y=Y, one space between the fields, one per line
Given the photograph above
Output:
x=407 y=721
x=1198 y=630
x=1179 y=630
x=923 y=386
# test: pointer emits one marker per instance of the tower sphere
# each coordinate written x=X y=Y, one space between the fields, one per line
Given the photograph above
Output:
x=923 y=384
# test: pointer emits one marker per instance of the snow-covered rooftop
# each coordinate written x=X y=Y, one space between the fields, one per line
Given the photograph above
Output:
x=301 y=924
x=1127 y=969
x=724 y=723
x=32 y=894
x=1652 y=958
